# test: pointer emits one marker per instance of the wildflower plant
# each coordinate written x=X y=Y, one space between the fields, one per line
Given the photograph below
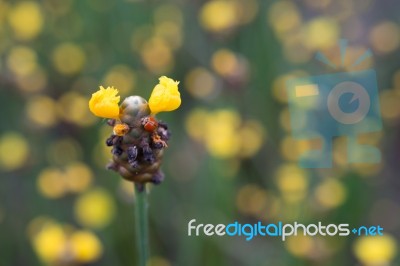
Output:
x=138 y=140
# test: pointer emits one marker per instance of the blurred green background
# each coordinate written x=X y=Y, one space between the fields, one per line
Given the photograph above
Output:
x=231 y=156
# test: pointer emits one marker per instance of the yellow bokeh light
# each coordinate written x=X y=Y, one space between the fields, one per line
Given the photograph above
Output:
x=284 y=16
x=26 y=20
x=51 y=183
x=196 y=122
x=14 y=151
x=300 y=245
x=85 y=246
x=251 y=199
x=292 y=182
x=224 y=15
x=54 y=183
x=32 y=82
x=224 y=134
x=22 y=60
x=69 y=58
x=121 y=77
x=321 y=33
x=157 y=55
x=55 y=243
x=330 y=193
x=279 y=88
x=201 y=83
x=246 y=10
x=95 y=208
x=171 y=32
x=219 y=15
x=292 y=149
x=375 y=250
x=252 y=136
x=297 y=52
x=385 y=37
x=284 y=119
x=140 y=36
x=221 y=137
x=49 y=242
x=78 y=177
x=73 y=107
x=224 y=62
x=63 y=151
x=390 y=108
x=42 y=111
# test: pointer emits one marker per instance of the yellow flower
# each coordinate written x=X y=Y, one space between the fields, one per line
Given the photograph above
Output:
x=50 y=242
x=95 y=208
x=375 y=250
x=104 y=103
x=86 y=246
x=165 y=96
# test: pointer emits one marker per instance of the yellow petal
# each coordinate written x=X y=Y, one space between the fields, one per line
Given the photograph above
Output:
x=104 y=103
x=165 y=96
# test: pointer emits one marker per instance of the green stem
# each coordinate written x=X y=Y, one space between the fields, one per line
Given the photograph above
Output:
x=141 y=223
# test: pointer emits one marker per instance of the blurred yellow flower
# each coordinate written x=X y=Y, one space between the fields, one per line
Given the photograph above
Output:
x=375 y=250
x=22 y=60
x=86 y=246
x=292 y=182
x=321 y=33
x=219 y=15
x=165 y=96
x=221 y=138
x=14 y=151
x=51 y=183
x=121 y=76
x=300 y=245
x=104 y=103
x=68 y=58
x=40 y=110
x=49 y=243
x=330 y=193
x=26 y=20
x=157 y=55
x=95 y=208
x=55 y=243
x=78 y=177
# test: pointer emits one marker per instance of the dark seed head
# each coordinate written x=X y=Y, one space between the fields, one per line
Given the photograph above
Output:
x=117 y=151
x=110 y=141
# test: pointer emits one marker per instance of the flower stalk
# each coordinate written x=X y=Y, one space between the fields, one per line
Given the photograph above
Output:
x=141 y=224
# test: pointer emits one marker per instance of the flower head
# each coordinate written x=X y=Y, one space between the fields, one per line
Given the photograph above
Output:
x=104 y=103
x=165 y=96
x=138 y=138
